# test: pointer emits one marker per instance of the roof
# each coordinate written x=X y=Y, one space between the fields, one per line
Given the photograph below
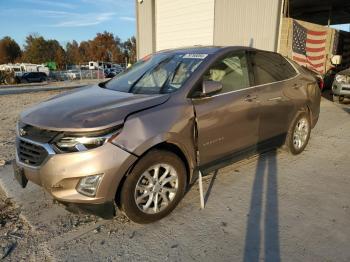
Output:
x=204 y=49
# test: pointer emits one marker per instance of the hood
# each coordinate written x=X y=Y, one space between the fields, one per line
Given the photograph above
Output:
x=88 y=109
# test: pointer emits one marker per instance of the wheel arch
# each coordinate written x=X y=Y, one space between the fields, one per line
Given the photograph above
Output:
x=166 y=146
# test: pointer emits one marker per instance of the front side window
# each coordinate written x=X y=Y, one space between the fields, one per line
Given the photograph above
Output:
x=270 y=67
x=158 y=74
x=231 y=71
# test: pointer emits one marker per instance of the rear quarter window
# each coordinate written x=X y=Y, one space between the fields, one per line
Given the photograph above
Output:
x=270 y=67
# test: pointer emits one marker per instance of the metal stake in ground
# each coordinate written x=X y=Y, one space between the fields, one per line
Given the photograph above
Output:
x=200 y=183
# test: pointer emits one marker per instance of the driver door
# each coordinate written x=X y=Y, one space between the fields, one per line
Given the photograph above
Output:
x=227 y=122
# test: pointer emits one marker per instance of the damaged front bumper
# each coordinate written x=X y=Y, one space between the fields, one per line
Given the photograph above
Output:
x=60 y=174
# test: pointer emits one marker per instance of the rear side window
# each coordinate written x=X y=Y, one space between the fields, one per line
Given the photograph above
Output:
x=231 y=71
x=270 y=67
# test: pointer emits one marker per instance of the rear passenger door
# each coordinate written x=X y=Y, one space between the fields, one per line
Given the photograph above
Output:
x=272 y=74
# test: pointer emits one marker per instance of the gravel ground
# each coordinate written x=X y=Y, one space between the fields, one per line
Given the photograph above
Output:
x=16 y=235
x=11 y=106
x=15 y=232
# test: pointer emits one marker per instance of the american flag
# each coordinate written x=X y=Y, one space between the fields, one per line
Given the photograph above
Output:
x=309 y=47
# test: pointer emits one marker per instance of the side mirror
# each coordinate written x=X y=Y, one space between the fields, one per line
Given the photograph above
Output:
x=210 y=87
x=336 y=59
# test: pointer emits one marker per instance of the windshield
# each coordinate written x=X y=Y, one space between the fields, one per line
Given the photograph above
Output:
x=157 y=74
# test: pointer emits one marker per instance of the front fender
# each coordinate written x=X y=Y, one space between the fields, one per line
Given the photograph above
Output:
x=171 y=123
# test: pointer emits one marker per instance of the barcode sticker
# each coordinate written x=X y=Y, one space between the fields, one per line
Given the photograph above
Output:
x=195 y=56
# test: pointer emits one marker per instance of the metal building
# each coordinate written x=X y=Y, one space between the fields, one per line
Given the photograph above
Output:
x=163 y=24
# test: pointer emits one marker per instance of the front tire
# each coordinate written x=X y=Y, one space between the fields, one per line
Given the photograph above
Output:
x=154 y=187
x=299 y=133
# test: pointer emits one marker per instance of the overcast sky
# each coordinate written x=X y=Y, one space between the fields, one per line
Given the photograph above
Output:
x=66 y=20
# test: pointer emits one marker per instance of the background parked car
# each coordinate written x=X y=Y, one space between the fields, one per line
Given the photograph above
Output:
x=31 y=77
x=112 y=72
x=341 y=86
x=73 y=74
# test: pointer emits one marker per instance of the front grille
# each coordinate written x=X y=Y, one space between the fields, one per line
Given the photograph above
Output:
x=346 y=88
x=30 y=153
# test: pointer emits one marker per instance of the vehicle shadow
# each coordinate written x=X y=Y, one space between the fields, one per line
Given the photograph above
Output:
x=212 y=180
x=262 y=229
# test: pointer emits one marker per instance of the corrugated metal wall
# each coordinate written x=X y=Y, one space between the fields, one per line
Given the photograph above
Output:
x=247 y=22
x=184 y=23
x=145 y=28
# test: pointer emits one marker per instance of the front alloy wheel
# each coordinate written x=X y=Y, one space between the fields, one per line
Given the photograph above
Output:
x=154 y=187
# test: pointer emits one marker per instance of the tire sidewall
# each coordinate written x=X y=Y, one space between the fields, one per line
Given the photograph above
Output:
x=292 y=149
x=127 y=200
x=337 y=99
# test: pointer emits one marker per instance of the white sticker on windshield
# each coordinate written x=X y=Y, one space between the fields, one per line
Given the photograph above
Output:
x=195 y=56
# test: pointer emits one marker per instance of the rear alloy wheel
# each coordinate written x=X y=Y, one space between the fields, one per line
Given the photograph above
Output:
x=154 y=187
x=299 y=133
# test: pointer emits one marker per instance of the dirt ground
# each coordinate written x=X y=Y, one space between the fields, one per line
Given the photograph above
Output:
x=272 y=207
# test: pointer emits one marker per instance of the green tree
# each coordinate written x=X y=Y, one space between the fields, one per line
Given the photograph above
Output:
x=84 y=52
x=9 y=50
x=105 y=48
x=72 y=53
x=37 y=50
x=55 y=52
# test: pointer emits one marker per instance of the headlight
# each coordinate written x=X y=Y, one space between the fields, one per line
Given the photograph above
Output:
x=340 y=78
x=80 y=143
x=71 y=142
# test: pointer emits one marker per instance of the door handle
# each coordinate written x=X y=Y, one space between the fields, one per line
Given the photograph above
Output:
x=250 y=98
x=275 y=98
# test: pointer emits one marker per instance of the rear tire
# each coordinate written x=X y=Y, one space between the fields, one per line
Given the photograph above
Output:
x=338 y=99
x=148 y=195
x=299 y=133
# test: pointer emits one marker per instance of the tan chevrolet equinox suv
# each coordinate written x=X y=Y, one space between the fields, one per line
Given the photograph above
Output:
x=138 y=140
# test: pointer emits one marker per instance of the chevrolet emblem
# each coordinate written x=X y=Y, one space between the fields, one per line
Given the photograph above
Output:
x=22 y=132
